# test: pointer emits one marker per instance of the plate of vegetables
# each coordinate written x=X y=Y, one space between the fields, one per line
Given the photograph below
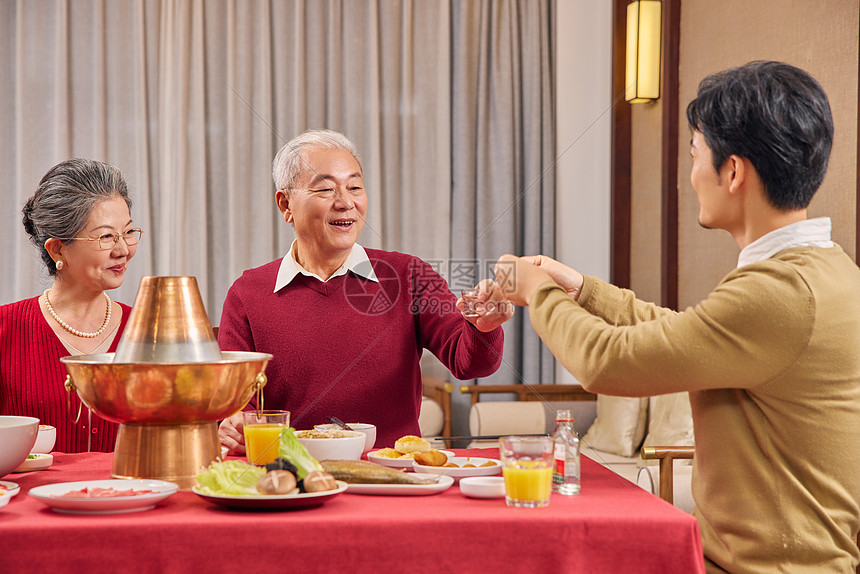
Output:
x=294 y=480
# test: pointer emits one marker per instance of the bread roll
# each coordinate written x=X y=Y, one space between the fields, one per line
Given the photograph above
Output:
x=411 y=443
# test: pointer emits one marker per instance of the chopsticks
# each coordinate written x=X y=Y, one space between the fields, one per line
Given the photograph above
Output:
x=480 y=437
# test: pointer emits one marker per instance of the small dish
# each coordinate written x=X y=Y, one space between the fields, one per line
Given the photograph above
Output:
x=400 y=462
x=494 y=467
x=483 y=487
x=7 y=491
x=12 y=488
x=35 y=461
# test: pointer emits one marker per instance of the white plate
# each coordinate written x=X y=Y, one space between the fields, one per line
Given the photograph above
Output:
x=12 y=488
x=455 y=472
x=444 y=483
x=40 y=462
x=398 y=462
x=51 y=494
x=274 y=501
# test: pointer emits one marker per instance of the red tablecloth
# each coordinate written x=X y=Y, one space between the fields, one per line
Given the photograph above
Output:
x=612 y=526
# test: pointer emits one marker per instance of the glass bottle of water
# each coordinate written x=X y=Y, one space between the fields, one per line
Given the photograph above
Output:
x=565 y=475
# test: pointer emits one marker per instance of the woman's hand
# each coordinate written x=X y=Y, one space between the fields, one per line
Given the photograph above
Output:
x=231 y=434
x=492 y=307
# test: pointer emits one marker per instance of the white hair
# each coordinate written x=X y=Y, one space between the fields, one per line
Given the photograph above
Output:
x=289 y=163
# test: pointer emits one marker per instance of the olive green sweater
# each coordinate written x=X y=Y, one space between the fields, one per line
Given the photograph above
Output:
x=771 y=359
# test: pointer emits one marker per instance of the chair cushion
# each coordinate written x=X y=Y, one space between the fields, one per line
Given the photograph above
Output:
x=507 y=417
x=431 y=418
x=620 y=425
x=670 y=422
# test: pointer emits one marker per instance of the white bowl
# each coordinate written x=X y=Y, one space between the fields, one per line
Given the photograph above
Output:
x=46 y=439
x=483 y=486
x=346 y=448
x=367 y=429
x=17 y=437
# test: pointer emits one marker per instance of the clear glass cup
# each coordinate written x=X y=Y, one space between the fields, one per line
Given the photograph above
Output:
x=262 y=431
x=470 y=301
x=527 y=465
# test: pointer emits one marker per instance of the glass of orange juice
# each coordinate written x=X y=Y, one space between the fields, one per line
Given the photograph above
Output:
x=527 y=468
x=262 y=431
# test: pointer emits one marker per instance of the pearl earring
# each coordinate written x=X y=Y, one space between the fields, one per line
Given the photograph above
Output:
x=60 y=264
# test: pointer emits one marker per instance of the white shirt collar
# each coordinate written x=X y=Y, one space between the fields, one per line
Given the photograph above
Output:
x=357 y=262
x=809 y=232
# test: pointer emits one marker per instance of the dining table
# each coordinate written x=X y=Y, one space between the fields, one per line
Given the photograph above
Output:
x=612 y=525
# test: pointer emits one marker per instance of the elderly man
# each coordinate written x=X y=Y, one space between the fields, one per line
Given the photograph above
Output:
x=770 y=357
x=347 y=325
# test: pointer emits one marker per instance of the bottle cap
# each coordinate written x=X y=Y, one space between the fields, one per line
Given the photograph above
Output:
x=563 y=416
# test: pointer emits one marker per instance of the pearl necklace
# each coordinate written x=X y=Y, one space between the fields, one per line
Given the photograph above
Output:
x=66 y=326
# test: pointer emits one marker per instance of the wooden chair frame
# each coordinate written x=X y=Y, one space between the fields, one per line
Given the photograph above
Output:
x=440 y=391
x=531 y=392
x=667 y=456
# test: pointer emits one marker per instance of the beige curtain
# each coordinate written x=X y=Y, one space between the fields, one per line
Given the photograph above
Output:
x=449 y=102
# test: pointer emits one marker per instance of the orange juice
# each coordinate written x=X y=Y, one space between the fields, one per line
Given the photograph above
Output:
x=528 y=484
x=262 y=441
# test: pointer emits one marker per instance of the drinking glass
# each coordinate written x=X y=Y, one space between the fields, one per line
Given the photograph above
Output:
x=527 y=464
x=263 y=434
x=470 y=301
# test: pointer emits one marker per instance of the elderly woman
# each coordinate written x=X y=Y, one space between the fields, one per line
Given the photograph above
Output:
x=346 y=325
x=79 y=220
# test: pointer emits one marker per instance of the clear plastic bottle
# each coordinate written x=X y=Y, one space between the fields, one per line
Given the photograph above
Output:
x=565 y=475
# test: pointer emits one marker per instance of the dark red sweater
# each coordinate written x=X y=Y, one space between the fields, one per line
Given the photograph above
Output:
x=32 y=377
x=350 y=347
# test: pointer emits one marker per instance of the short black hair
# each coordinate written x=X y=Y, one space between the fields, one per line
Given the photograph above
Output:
x=775 y=115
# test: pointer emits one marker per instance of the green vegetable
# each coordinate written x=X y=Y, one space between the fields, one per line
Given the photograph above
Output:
x=295 y=452
x=231 y=477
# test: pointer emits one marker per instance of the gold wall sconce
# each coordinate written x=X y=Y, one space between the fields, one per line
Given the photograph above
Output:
x=644 y=35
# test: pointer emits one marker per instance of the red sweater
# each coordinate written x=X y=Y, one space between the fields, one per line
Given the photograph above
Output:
x=32 y=377
x=351 y=347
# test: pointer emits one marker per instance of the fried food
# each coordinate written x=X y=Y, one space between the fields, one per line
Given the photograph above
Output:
x=408 y=455
x=489 y=463
x=411 y=443
x=450 y=465
x=364 y=472
x=432 y=457
x=387 y=453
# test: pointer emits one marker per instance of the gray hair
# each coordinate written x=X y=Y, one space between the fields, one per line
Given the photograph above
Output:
x=289 y=163
x=66 y=196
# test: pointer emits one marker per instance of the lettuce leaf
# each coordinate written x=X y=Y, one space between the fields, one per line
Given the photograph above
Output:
x=295 y=452
x=230 y=477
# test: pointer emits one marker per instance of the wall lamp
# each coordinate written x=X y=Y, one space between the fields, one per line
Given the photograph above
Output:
x=644 y=34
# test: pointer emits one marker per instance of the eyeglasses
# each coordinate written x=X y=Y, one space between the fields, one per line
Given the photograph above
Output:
x=110 y=240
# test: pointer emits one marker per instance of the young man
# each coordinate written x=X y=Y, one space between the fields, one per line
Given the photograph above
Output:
x=770 y=357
